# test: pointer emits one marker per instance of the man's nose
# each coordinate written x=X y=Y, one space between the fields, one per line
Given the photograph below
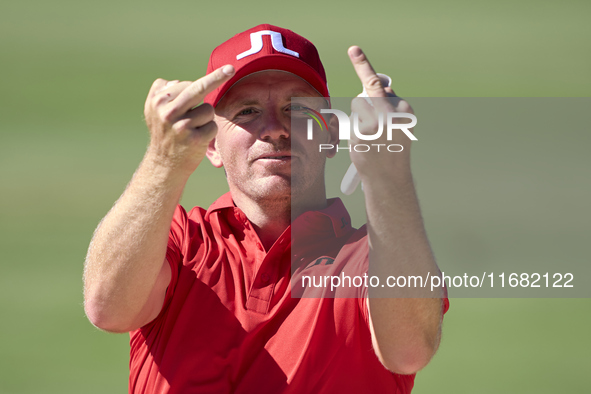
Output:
x=275 y=126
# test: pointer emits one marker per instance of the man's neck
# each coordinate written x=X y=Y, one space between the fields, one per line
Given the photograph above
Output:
x=270 y=218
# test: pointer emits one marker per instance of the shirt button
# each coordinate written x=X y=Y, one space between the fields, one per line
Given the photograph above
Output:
x=265 y=278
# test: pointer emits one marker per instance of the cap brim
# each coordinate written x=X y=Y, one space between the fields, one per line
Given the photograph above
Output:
x=272 y=62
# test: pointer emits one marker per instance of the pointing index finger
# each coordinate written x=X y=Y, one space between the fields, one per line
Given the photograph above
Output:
x=365 y=72
x=196 y=92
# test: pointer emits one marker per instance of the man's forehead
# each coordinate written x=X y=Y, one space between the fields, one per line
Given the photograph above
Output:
x=257 y=86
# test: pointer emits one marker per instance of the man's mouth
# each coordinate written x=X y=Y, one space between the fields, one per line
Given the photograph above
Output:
x=275 y=157
x=278 y=156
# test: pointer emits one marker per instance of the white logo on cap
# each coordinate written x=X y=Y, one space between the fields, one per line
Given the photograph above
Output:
x=256 y=44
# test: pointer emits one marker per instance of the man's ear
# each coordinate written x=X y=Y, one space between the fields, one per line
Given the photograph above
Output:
x=213 y=154
x=333 y=133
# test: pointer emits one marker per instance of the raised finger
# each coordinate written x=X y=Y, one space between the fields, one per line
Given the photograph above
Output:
x=194 y=93
x=367 y=75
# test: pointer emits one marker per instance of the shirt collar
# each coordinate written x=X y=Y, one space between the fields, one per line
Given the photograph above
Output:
x=338 y=215
x=225 y=201
x=335 y=212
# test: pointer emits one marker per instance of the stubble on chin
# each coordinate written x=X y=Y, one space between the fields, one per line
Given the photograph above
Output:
x=273 y=192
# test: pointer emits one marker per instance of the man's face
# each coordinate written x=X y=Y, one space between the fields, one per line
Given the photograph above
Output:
x=263 y=159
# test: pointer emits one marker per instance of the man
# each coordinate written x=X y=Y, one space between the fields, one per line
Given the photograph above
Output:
x=207 y=295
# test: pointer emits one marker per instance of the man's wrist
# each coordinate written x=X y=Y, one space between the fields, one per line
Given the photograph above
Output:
x=163 y=170
x=382 y=177
x=168 y=166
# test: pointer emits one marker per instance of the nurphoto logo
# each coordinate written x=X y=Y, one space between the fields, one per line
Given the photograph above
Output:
x=345 y=122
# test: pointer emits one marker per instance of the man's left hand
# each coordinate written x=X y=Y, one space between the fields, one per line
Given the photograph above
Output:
x=380 y=164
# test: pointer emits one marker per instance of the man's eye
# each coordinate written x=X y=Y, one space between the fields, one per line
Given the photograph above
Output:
x=247 y=111
x=296 y=107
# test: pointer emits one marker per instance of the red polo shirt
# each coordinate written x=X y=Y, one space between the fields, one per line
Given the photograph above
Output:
x=230 y=324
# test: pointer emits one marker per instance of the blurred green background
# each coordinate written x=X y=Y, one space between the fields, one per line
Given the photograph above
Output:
x=73 y=82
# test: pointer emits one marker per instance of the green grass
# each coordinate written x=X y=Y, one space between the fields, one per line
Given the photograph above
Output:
x=73 y=81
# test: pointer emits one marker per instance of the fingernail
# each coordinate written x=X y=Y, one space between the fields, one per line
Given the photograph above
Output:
x=228 y=69
x=356 y=51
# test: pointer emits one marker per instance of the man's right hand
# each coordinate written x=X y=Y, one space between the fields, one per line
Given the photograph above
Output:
x=126 y=273
x=180 y=128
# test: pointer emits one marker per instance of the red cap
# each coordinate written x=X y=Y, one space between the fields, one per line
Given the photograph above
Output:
x=267 y=47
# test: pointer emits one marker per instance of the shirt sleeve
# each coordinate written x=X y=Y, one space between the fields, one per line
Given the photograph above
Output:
x=176 y=236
